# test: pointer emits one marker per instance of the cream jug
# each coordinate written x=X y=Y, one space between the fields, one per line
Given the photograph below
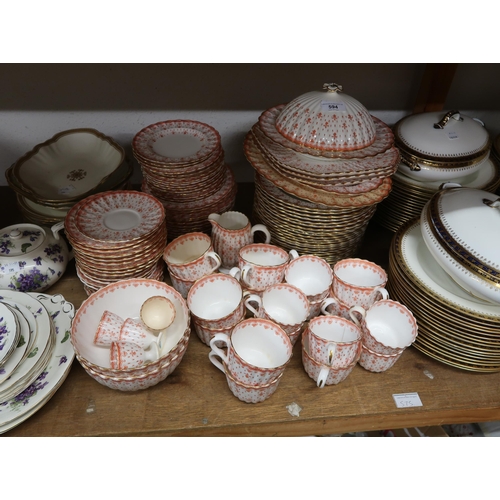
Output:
x=230 y=232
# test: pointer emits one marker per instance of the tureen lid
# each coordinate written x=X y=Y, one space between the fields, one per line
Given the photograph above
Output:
x=443 y=137
x=327 y=120
x=466 y=222
x=20 y=239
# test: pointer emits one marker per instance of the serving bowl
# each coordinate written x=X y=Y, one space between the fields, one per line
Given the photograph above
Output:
x=125 y=299
x=461 y=229
x=68 y=166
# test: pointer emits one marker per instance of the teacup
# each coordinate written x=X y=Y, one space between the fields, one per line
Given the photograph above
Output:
x=127 y=355
x=333 y=341
x=375 y=362
x=359 y=282
x=251 y=393
x=388 y=327
x=206 y=334
x=182 y=286
x=320 y=373
x=332 y=306
x=282 y=303
x=191 y=256
x=261 y=265
x=257 y=351
x=216 y=301
x=133 y=330
x=108 y=329
x=311 y=274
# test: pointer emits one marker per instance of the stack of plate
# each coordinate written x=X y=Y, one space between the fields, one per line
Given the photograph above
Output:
x=409 y=195
x=117 y=235
x=35 y=352
x=436 y=148
x=454 y=327
x=54 y=175
x=322 y=165
x=182 y=162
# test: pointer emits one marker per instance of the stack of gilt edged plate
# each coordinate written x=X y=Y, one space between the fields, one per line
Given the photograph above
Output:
x=322 y=165
x=35 y=352
x=117 y=235
x=445 y=267
x=56 y=174
x=437 y=147
x=182 y=162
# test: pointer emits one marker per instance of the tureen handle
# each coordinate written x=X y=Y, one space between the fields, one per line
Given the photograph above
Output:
x=56 y=228
x=414 y=167
x=332 y=87
x=446 y=118
x=492 y=203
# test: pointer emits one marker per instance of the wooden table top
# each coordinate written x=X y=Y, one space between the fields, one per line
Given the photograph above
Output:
x=196 y=401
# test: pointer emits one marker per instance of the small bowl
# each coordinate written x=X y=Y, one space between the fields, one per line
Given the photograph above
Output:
x=157 y=313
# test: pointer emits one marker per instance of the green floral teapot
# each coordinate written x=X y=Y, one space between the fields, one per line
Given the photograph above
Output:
x=32 y=258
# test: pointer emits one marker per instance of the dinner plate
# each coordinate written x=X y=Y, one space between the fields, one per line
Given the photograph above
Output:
x=9 y=333
x=23 y=405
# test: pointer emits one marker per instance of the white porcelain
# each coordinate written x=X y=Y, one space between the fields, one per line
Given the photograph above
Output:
x=182 y=286
x=284 y=304
x=251 y=393
x=9 y=333
x=231 y=231
x=133 y=330
x=257 y=351
x=216 y=301
x=108 y=329
x=460 y=228
x=126 y=355
x=375 y=362
x=157 y=313
x=359 y=282
x=332 y=306
x=388 y=327
x=206 y=334
x=311 y=274
x=443 y=137
x=69 y=165
x=191 y=256
x=333 y=341
x=261 y=265
x=124 y=298
x=323 y=374
x=327 y=120
x=31 y=258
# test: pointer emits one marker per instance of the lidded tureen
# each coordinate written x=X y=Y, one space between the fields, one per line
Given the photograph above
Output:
x=31 y=258
x=441 y=146
x=461 y=228
x=327 y=120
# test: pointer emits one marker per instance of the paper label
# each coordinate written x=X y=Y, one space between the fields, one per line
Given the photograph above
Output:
x=67 y=189
x=332 y=106
x=407 y=400
x=452 y=135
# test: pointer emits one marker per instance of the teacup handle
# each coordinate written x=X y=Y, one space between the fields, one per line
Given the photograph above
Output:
x=262 y=228
x=331 y=353
x=328 y=301
x=235 y=273
x=323 y=376
x=253 y=298
x=244 y=271
x=383 y=292
x=293 y=254
x=360 y=310
x=218 y=262
x=217 y=351
x=152 y=352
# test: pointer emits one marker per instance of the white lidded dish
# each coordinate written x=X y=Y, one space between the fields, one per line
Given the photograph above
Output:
x=461 y=228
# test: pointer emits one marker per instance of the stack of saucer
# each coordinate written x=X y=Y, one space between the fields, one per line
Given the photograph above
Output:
x=56 y=174
x=117 y=235
x=322 y=165
x=183 y=165
x=35 y=352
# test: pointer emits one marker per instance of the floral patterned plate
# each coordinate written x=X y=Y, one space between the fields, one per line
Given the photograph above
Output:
x=9 y=334
x=21 y=350
x=17 y=409
x=36 y=360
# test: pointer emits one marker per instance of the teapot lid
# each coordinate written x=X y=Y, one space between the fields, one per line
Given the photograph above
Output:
x=20 y=239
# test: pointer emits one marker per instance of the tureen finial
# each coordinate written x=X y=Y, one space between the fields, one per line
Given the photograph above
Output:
x=332 y=87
